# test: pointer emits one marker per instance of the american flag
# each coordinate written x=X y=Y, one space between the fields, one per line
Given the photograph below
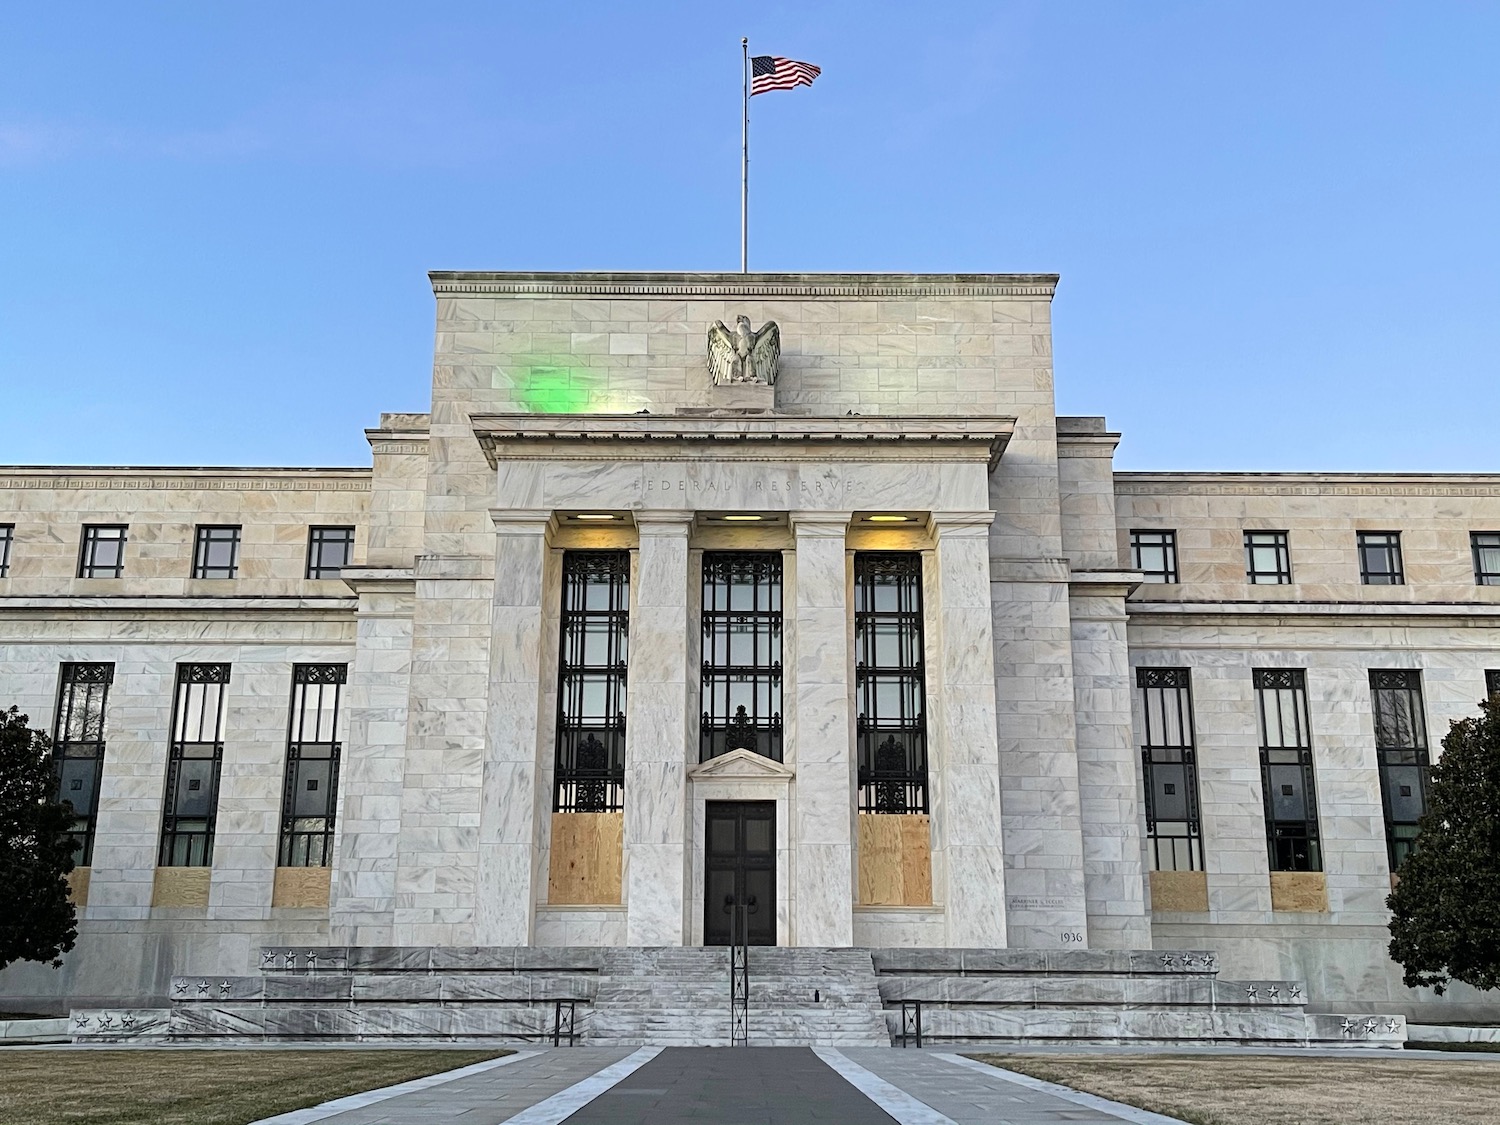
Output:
x=772 y=72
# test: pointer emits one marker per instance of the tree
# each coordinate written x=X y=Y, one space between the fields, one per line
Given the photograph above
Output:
x=37 y=921
x=1445 y=909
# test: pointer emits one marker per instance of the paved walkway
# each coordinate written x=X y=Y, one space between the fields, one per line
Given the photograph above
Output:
x=726 y=1086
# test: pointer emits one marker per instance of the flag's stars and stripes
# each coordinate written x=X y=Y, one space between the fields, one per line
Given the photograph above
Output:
x=772 y=72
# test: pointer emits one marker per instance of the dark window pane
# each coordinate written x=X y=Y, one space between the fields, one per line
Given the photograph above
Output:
x=310 y=796
x=890 y=682
x=1267 y=558
x=1169 y=769
x=1154 y=553
x=1486 y=546
x=328 y=550
x=1401 y=752
x=216 y=552
x=101 y=551
x=1380 y=558
x=1286 y=769
x=7 y=537
x=78 y=738
x=193 y=761
x=741 y=678
x=589 y=769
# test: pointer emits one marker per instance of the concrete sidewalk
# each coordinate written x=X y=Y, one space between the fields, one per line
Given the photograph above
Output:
x=726 y=1086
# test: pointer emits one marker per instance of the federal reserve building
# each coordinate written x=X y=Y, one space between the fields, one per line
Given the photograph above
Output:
x=742 y=657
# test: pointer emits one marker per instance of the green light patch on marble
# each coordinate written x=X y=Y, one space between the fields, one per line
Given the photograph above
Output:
x=552 y=388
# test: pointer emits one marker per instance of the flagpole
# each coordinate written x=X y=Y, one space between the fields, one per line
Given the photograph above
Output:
x=745 y=160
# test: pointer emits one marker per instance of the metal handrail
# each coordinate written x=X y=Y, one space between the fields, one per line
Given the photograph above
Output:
x=911 y=1023
x=739 y=969
x=564 y=1013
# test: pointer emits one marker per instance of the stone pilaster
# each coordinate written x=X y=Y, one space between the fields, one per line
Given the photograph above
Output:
x=362 y=894
x=505 y=895
x=968 y=813
x=1109 y=770
x=656 y=733
x=823 y=804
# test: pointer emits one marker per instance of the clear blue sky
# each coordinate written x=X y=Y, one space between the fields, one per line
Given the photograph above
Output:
x=1277 y=224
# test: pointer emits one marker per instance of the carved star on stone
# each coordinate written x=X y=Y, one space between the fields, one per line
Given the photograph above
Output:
x=203 y=988
x=180 y=986
x=1208 y=962
x=1274 y=992
x=224 y=988
x=106 y=1021
x=1391 y=1024
x=1347 y=1026
x=1251 y=991
x=1296 y=992
x=1168 y=960
x=312 y=958
x=127 y=1021
x=267 y=958
x=81 y=1021
x=1370 y=1027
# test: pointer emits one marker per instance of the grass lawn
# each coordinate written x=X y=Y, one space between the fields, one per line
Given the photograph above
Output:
x=144 y=1087
x=1277 y=1090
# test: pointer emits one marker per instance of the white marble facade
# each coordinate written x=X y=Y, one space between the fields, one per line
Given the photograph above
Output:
x=556 y=395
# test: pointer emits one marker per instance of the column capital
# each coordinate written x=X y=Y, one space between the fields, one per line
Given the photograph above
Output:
x=820 y=524
x=522 y=521
x=666 y=522
x=961 y=524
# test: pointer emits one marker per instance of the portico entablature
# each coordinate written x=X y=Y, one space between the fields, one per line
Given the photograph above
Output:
x=776 y=464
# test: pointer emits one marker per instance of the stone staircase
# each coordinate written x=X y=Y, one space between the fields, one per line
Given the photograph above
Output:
x=680 y=997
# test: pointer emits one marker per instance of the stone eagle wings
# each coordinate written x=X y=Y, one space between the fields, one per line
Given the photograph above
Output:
x=743 y=356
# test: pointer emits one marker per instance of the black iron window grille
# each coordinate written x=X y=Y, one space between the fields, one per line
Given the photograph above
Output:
x=216 y=552
x=7 y=537
x=193 y=761
x=1380 y=558
x=890 y=682
x=1169 y=769
x=1492 y=681
x=101 y=550
x=1286 y=770
x=1268 y=558
x=78 y=748
x=1401 y=752
x=589 y=773
x=310 y=796
x=329 y=549
x=1486 y=545
x=741 y=653
x=1154 y=554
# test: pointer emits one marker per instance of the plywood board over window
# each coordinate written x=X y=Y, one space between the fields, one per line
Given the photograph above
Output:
x=585 y=863
x=895 y=859
x=300 y=886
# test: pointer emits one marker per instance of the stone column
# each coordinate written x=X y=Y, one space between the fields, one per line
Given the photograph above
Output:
x=505 y=895
x=969 y=775
x=656 y=734
x=823 y=803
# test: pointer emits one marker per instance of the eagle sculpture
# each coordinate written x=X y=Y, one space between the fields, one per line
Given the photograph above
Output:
x=743 y=356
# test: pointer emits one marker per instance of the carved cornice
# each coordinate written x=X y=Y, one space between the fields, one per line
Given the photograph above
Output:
x=811 y=286
x=1307 y=484
x=741 y=765
x=125 y=478
x=666 y=437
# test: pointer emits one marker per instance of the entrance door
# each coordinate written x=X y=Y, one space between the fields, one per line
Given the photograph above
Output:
x=740 y=867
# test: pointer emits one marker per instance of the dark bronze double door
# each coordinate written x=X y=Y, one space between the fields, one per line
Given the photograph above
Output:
x=740 y=871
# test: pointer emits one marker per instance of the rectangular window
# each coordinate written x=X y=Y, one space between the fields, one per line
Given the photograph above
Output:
x=216 y=552
x=1154 y=554
x=7 y=537
x=1492 y=681
x=1268 y=559
x=1286 y=769
x=101 y=551
x=328 y=550
x=310 y=797
x=78 y=747
x=890 y=682
x=1486 y=546
x=1380 y=558
x=741 y=653
x=1401 y=751
x=589 y=773
x=1169 y=767
x=193 y=760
